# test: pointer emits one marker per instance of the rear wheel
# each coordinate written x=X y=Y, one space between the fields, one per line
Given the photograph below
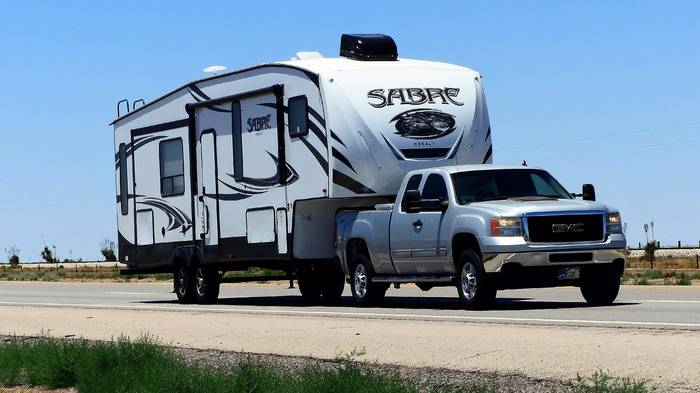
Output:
x=601 y=293
x=309 y=285
x=207 y=284
x=474 y=289
x=332 y=285
x=364 y=291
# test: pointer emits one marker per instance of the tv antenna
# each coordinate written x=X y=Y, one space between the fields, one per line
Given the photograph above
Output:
x=214 y=69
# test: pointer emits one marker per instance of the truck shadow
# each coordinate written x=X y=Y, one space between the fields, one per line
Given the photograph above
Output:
x=401 y=302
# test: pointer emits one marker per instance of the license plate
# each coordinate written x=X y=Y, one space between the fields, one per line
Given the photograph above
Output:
x=569 y=273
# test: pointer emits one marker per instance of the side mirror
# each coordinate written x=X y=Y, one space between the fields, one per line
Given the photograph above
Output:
x=411 y=201
x=588 y=192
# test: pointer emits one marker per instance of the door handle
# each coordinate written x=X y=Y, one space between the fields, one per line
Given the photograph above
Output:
x=418 y=224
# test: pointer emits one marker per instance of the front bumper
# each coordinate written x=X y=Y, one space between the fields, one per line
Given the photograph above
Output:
x=495 y=263
x=554 y=268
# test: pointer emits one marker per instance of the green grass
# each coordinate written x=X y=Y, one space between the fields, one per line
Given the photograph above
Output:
x=653 y=274
x=601 y=382
x=144 y=365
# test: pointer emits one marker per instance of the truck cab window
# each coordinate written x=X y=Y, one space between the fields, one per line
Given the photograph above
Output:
x=298 y=116
x=412 y=184
x=172 y=168
x=434 y=187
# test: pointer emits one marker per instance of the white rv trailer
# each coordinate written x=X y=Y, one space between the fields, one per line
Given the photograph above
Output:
x=248 y=168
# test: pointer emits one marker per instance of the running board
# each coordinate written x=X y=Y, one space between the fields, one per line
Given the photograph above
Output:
x=402 y=280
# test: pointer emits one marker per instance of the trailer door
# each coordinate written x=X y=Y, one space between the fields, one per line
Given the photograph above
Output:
x=208 y=201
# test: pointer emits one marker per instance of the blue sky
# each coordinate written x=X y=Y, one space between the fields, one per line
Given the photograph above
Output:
x=596 y=92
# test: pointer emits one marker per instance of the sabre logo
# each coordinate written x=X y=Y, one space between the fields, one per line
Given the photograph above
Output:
x=379 y=98
x=567 y=228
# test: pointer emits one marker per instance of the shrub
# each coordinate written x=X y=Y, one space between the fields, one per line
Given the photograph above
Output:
x=683 y=279
x=107 y=249
x=13 y=255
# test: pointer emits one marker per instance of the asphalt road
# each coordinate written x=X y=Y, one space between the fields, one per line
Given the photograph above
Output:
x=649 y=333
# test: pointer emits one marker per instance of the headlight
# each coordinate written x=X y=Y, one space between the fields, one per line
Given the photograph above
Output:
x=613 y=224
x=501 y=226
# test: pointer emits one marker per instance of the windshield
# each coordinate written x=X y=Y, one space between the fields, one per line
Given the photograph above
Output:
x=492 y=185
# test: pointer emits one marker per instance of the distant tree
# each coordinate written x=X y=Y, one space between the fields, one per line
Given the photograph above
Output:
x=649 y=250
x=107 y=248
x=13 y=255
x=48 y=255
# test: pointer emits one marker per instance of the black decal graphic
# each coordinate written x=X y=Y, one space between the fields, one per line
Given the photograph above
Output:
x=177 y=219
x=424 y=124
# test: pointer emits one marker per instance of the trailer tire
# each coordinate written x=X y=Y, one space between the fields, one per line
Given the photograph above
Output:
x=309 y=286
x=183 y=283
x=207 y=285
x=364 y=291
x=601 y=293
x=333 y=285
x=474 y=290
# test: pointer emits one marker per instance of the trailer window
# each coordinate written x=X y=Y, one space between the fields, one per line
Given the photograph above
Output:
x=172 y=168
x=123 y=181
x=298 y=116
x=237 y=140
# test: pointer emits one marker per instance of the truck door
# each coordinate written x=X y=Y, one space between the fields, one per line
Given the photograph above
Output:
x=424 y=233
x=401 y=234
x=431 y=233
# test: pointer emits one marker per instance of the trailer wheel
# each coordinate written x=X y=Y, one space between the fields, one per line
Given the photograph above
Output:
x=364 y=291
x=601 y=293
x=183 y=283
x=206 y=285
x=474 y=290
x=309 y=286
x=333 y=285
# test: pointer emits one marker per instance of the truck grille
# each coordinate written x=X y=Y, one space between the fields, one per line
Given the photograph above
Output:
x=565 y=228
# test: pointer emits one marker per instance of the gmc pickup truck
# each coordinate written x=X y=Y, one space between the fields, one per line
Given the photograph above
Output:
x=483 y=228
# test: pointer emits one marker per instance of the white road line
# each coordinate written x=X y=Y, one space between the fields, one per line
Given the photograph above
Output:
x=133 y=293
x=664 y=301
x=366 y=314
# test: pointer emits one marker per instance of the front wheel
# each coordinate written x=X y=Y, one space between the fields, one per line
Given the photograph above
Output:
x=364 y=291
x=601 y=293
x=183 y=283
x=474 y=289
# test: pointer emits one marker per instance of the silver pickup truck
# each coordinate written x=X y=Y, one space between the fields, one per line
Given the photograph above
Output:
x=483 y=228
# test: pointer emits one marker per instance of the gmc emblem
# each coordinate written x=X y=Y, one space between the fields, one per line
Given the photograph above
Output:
x=567 y=228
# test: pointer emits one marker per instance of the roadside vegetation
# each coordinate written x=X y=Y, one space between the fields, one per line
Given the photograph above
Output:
x=145 y=365
x=666 y=271
x=86 y=272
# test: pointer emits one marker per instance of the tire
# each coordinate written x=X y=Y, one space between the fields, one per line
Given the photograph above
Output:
x=309 y=286
x=183 y=284
x=364 y=291
x=473 y=287
x=601 y=293
x=332 y=285
x=206 y=285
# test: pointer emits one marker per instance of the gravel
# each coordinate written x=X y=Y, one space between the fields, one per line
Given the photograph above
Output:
x=424 y=378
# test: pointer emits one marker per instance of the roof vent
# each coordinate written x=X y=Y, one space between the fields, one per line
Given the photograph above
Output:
x=368 y=47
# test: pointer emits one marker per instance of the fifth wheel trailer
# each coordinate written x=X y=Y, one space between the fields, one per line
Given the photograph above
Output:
x=248 y=168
